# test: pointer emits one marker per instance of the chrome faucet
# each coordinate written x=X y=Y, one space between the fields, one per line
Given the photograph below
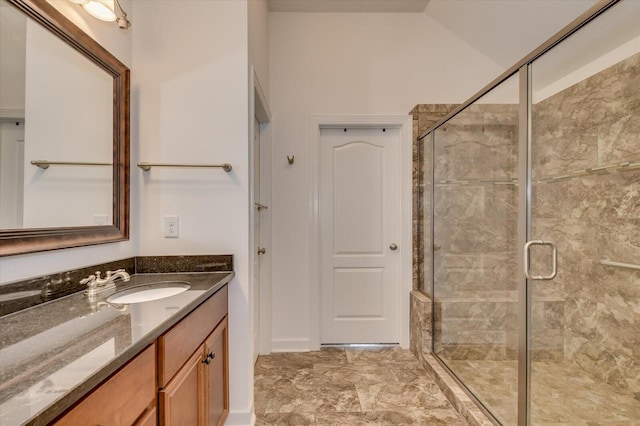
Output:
x=96 y=285
x=111 y=277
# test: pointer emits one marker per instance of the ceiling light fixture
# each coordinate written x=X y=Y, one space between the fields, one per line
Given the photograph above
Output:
x=106 y=10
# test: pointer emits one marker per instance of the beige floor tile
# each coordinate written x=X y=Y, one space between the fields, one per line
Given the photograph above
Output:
x=348 y=388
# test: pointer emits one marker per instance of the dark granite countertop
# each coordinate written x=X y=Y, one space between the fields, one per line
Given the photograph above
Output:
x=53 y=354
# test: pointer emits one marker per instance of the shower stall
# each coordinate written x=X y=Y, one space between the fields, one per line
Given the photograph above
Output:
x=532 y=230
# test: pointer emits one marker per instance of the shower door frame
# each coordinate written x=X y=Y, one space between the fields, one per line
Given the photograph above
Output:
x=523 y=69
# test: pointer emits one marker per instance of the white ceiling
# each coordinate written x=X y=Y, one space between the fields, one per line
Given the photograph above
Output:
x=506 y=30
x=380 y=6
x=503 y=30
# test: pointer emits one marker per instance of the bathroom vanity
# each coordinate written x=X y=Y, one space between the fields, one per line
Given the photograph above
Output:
x=74 y=361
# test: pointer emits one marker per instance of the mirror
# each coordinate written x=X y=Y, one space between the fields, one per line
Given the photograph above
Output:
x=64 y=134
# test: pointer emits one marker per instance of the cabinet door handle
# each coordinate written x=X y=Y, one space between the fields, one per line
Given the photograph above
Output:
x=208 y=358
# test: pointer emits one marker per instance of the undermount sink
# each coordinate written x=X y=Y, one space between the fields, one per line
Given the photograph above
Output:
x=149 y=292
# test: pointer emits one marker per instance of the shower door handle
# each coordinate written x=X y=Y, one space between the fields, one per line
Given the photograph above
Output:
x=554 y=261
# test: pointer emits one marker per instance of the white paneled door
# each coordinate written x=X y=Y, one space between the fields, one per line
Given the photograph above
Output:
x=359 y=190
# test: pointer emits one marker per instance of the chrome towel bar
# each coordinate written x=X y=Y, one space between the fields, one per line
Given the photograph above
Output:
x=147 y=166
x=619 y=264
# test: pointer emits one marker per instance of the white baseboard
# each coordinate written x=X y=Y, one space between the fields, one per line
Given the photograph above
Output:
x=241 y=418
x=290 y=345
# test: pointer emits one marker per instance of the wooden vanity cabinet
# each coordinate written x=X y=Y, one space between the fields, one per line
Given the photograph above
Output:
x=126 y=398
x=216 y=376
x=181 y=401
x=193 y=367
x=192 y=364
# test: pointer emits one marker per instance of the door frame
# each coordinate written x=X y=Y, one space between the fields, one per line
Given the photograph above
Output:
x=405 y=124
x=259 y=109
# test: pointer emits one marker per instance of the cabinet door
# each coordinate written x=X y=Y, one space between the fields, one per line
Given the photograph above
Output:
x=120 y=400
x=217 y=375
x=149 y=418
x=181 y=400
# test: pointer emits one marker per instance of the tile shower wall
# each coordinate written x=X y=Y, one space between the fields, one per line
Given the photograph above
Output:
x=475 y=199
x=424 y=116
x=586 y=198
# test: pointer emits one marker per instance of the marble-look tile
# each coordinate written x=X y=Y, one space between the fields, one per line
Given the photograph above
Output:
x=454 y=393
x=424 y=116
x=285 y=419
x=468 y=153
x=475 y=351
x=460 y=202
x=547 y=118
x=568 y=152
x=500 y=201
x=619 y=240
x=448 y=417
x=401 y=396
x=586 y=332
x=311 y=397
x=375 y=418
x=593 y=101
x=303 y=359
x=379 y=355
x=619 y=141
x=614 y=195
x=455 y=272
x=367 y=387
x=475 y=235
x=351 y=373
x=421 y=332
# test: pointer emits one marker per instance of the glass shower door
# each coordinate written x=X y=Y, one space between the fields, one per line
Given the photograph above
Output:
x=584 y=342
x=475 y=219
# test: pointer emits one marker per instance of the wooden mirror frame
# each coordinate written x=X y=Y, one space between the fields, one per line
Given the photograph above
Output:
x=29 y=240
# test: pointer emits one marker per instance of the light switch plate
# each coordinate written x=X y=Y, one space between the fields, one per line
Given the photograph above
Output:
x=171 y=227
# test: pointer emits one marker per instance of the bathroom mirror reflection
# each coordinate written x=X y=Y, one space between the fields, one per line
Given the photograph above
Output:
x=55 y=105
x=64 y=133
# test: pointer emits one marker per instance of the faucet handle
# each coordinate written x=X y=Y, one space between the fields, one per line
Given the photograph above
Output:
x=90 y=280
x=109 y=273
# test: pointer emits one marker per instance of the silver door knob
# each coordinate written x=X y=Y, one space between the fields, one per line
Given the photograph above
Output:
x=393 y=246
x=262 y=250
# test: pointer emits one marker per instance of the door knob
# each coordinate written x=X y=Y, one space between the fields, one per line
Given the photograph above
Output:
x=393 y=246
x=262 y=250
x=436 y=247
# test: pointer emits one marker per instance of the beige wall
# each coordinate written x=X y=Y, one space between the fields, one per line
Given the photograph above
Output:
x=191 y=105
x=339 y=64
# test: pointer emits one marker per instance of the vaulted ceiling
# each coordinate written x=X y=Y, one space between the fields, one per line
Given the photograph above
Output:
x=503 y=30
x=388 y=6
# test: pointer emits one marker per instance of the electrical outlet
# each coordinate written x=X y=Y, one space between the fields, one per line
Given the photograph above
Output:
x=100 y=219
x=171 y=227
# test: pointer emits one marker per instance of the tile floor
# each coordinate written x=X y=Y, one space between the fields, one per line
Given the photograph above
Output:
x=352 y=386
x=561 y=394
